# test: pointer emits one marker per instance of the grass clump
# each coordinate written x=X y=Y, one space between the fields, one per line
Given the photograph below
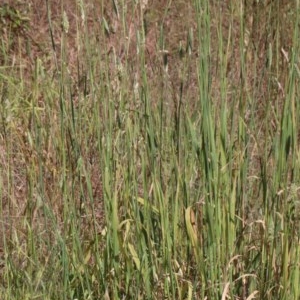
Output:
x=149 y=150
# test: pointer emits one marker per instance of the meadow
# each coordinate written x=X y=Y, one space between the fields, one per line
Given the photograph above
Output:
x=149 y=149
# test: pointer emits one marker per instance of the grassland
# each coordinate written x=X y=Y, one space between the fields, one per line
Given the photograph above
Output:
x=149 y=149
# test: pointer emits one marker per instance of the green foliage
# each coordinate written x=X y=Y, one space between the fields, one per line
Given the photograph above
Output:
x=165 y=172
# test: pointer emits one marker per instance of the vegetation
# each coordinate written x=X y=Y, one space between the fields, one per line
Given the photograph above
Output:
x=149 y=149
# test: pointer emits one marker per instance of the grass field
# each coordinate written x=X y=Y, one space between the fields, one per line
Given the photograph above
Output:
x=149 y=149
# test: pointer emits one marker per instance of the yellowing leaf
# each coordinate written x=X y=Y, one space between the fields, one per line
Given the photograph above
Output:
x=134 y=256
x=189 y=223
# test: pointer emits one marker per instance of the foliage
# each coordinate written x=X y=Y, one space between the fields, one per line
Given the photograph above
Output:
x=149 y=150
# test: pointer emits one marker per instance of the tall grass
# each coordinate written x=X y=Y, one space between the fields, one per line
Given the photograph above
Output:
x=154 y=176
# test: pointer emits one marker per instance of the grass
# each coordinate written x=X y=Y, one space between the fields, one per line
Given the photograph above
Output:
x=149 y=150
